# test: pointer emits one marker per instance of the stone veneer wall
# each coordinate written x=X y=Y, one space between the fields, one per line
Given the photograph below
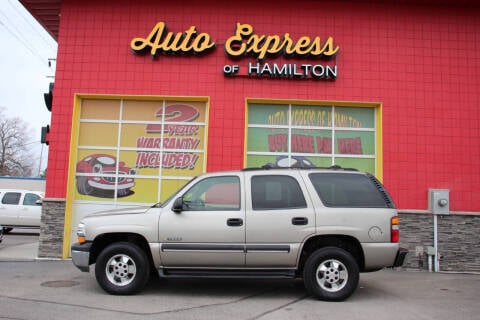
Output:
x=458 y=240
x=51 y=228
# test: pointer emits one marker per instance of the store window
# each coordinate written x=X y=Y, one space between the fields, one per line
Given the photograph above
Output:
x=283 y=134
x=137 y=150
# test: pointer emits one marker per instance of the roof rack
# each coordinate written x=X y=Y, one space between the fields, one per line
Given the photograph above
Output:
x=270 y=167
x=337 y=167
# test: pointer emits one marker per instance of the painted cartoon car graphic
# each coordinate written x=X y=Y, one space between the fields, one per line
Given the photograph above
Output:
x=96 y=177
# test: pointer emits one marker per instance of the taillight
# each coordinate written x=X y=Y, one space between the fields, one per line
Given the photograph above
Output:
x=394 y=230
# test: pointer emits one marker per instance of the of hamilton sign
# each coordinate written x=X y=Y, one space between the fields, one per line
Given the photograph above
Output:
x=246 y=43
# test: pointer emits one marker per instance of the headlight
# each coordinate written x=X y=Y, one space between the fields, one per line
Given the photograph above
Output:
x=81 y=233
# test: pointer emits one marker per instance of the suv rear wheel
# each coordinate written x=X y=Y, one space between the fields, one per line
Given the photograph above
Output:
x=331 y=273
x=122 y=268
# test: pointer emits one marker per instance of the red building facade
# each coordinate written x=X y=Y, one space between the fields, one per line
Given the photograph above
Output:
x=382 y=86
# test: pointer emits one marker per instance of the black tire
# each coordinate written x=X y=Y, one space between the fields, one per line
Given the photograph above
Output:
x=83 y=187
x=331 y=274
x=122 y=268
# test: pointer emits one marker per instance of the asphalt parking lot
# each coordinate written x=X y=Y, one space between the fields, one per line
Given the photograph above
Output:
x=56 y=290
x=45 y=289
x=20 y=245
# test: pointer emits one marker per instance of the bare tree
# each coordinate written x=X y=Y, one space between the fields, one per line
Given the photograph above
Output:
x=15 y=158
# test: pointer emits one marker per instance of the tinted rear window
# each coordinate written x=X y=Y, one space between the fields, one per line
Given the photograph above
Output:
x=347 y=190
x=276 y=192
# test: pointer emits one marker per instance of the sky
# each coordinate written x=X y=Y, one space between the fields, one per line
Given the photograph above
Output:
x=25 y=50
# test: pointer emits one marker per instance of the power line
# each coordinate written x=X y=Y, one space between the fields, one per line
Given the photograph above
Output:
x=31 y=142
x=31 y=26
x=11 y=24
x=19 y=37
x=22 y=42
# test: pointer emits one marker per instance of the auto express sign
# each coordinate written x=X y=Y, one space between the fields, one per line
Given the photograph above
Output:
x=246 y=43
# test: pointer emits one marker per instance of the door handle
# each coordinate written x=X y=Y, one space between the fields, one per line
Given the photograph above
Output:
x=299 y=221
x=235 y=222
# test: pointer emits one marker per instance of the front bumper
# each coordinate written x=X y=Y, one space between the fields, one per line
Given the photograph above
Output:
x=400 y=258
x=81 y=255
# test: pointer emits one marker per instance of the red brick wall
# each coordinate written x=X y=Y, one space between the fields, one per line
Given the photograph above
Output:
x=422 y=62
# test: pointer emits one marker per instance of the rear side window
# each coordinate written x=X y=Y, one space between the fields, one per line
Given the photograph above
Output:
x=11 y=198
x=348 y=191
x=276 y=192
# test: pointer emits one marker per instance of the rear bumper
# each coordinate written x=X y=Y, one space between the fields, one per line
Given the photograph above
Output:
x=81 y=255
x=383 y=255
x=400 y=258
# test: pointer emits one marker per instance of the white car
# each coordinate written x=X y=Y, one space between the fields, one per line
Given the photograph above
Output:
x=20 y=208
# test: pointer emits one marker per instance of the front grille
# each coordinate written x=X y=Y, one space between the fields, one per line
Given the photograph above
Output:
x=111 y=179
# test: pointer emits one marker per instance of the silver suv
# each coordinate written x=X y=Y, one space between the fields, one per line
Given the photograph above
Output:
x=323 y=225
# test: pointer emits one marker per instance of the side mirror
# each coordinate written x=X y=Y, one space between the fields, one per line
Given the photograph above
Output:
x=38 y=202
x=177 y=205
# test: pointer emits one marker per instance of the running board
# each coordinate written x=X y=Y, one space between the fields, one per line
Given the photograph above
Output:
x=226 y=273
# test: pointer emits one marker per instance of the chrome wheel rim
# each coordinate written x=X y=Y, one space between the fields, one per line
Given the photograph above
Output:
x=332 y=275
x=120 y=270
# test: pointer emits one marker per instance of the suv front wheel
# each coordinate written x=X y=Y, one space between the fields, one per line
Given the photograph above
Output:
x=122 y=268
x=331 y=274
